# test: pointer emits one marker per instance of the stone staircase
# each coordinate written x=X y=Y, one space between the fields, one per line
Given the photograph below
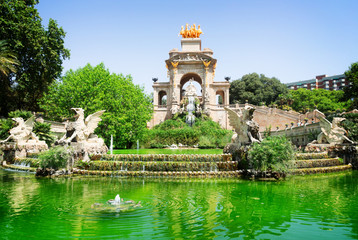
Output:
x=312 y=163
x=161 y=165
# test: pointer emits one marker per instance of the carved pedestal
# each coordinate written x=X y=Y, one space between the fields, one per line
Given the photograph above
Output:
x=20 y=150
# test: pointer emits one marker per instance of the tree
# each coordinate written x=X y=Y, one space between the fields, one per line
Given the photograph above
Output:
x=303 y=100
x=128 y=108
x=40 y=53
x=351 y=92
x=256 y=89
x=8 y=59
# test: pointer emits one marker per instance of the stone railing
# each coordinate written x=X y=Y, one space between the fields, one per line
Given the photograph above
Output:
x=299 y=135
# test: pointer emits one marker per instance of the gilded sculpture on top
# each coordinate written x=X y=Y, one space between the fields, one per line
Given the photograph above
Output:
x=190 y=32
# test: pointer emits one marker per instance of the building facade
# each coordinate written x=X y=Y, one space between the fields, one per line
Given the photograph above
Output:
x=332 y=83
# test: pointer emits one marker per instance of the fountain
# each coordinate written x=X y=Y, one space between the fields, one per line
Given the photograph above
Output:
x=191 y=95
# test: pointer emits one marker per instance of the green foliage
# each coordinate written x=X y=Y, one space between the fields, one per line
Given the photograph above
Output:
x=128 y=108
x=167 y=157
x=313 y=134
x=351 y=92
x=40 y=53
x=20 y=113
x=43 y=131
x=8 y=59
x=5 y=126
x=273 y=153
x=55 y=158
x=267 y=131
x=256 y=89
x=303 y=100
x=205 y=133
x=158 y=166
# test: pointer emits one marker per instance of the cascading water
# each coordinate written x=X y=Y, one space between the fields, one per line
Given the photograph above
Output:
x=190 y=118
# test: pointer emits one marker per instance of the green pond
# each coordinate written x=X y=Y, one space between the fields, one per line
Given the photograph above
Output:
x=310 y=207
x=168 y=151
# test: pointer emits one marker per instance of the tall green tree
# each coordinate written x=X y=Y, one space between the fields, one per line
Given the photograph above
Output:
x=303 y=100
x=128 y=108
x=351 y=92
x=256 y=89
x=40 y=53
x=8 y=59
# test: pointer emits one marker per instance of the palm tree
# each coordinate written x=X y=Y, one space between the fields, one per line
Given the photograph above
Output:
x=8 y=59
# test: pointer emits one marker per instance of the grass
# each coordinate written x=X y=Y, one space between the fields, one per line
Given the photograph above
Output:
x=167 y=151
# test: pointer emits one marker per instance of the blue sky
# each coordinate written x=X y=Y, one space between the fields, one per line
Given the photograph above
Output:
x=290 y=40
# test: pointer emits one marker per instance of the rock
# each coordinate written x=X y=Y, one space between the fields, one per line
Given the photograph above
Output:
x=40 y=172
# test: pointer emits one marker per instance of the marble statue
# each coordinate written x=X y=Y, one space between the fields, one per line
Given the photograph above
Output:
x=190 y=89
x=80 y=135
x=83 y=129
x=22 y=140
x=246 y=130
x=23 y=131
x=175 y=109
x=332 y=133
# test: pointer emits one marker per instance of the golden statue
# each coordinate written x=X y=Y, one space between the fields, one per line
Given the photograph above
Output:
x=190 y=31
x=198 y=32
x=174 y=64
x=186 y=31
x=181 y=31
x=206 y=64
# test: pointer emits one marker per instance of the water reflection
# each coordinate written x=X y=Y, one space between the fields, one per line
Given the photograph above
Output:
x=324 y=206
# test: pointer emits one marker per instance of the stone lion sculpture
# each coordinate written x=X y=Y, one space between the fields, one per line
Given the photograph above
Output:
x=246 y=129
x=332 y=133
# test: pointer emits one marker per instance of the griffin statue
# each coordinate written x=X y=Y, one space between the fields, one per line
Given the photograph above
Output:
x=246 y=129
x=22 y=132
x=81 y=131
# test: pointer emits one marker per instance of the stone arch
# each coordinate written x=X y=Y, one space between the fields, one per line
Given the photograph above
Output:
x=186 y=77
x=162 y=98
x=220 y=94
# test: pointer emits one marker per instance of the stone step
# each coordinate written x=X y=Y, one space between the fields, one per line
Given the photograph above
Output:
x=158 y=174
x=308 y=156
x=313 y=163
x=305 y=171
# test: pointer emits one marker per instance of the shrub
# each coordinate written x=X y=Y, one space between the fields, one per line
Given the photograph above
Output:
x=43 y=131
x=20 y=113
x=5 y=126
x=205 y=132
x=273 y=153
x=55 y=158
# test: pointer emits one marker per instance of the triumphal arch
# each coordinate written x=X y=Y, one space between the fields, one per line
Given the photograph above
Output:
x=190 y=64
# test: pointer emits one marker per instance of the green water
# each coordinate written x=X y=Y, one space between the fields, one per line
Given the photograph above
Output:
x=319 y=207
x=167 y=151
